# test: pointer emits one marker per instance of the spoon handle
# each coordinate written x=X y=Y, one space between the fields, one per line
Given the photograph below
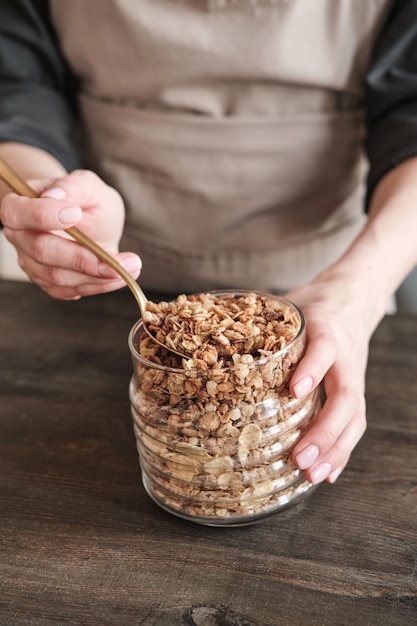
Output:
x=20 y=186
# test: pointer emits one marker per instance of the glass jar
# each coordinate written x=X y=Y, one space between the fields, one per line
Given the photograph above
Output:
x=215 y=445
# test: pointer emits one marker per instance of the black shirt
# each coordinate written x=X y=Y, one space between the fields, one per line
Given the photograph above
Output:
x=34 y=78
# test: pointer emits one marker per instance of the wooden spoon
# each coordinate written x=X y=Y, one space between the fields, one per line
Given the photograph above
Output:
x=19 y=186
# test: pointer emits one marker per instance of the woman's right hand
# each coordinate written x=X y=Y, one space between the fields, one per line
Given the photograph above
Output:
x=59 y=265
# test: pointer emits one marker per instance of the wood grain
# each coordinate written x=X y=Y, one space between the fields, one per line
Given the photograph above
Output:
x=82 y=544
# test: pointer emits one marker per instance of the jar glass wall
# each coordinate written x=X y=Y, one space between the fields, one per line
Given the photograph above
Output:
x=215 y=445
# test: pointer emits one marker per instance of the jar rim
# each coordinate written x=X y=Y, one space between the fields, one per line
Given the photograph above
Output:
x=258 y=362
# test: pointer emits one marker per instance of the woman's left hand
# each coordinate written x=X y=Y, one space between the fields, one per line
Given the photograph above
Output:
x=336 y=357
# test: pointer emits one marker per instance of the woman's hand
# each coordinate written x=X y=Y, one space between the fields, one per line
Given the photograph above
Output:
x=343 y=306
x=336 y=355
x=59 y=265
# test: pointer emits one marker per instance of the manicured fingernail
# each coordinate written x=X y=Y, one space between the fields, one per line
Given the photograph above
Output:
x=334 y=475
x=132 y=264
x=307 y=456
x=56 y=193
x=303 y=387
x=70 y=215
x=320 y=472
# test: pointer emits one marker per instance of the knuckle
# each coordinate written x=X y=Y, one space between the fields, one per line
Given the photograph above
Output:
x=61 y=293
x=38 y=249
x=41 y=216
x=339 y=455
x=351 y=398
x=87 y=174
x=328 y=437
x=327 y=339
x=57 y=277
x=78 y=261
x=84 y=185
x=321 y=353
x=84 y=177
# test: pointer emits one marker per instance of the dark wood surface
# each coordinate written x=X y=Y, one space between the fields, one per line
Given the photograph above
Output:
x=82 y=543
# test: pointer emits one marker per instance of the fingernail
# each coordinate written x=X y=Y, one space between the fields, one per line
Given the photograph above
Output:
x=132 y=264
x=70 y=215
x=56 y=193
x=303 y=387
x=319 y=473
x=307 y=456
x=334 y=475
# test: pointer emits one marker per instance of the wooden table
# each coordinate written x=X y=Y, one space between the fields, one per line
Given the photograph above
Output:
x=82 y=543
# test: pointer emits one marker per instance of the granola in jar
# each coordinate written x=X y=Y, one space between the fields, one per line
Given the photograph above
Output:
x=215 y=430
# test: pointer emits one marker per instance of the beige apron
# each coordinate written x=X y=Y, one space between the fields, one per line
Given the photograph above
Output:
x=233 y=133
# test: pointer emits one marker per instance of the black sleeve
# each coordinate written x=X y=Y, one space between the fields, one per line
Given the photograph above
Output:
x=37 y=92
x=391 y=94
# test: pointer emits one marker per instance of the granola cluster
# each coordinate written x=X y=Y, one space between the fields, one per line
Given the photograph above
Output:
x=212 y=329
x=215 y=430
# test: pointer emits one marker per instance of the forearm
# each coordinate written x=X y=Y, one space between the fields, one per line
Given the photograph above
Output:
x=29 y=162
x=342 y=306
x=393 y=224
x=386 y=250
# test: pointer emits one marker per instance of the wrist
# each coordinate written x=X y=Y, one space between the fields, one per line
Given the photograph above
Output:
x=355 y=287
x=377 y=262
